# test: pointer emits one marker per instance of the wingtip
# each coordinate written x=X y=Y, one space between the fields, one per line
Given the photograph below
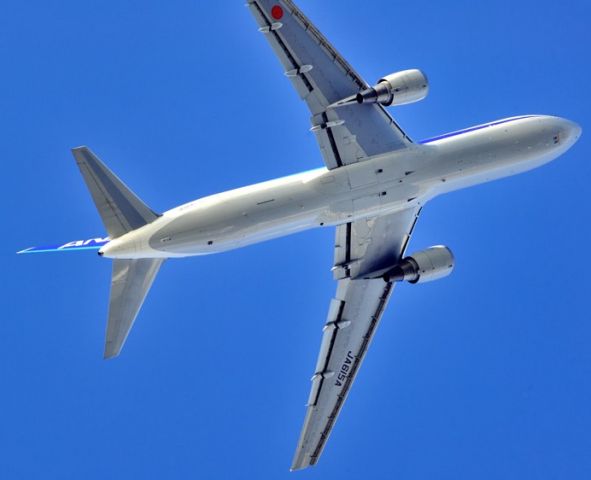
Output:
x=109 y=355
x=26 y=250
x=299 y=463
x=79 y=153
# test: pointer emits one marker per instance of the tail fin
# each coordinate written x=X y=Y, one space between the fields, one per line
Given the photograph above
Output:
x=130 y=284
x=120 y=209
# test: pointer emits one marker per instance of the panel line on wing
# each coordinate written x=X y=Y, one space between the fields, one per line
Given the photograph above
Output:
x=333 y=143
x=348 y=248
x=409 y=235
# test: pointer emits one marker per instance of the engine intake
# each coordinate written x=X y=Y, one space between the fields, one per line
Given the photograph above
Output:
x=424 y=266
x=398 y=88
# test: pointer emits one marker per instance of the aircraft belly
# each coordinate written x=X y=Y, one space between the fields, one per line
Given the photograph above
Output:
x=491 y=154
x=374 y=187
x=239 y=222
x=213 y=227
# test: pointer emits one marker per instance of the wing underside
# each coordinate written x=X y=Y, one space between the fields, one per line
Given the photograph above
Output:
x=345 y=135
x=353 y=318
x=321 y=77
x=360 y=248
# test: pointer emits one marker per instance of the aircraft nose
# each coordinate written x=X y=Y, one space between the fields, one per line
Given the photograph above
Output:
x=575 y=130
x=569 y=131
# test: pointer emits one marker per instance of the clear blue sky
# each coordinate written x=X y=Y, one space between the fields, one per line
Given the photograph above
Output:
x=485 y=374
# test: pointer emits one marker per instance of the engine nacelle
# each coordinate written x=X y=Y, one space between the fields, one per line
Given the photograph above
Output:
x=398 y=88
x=424 y=266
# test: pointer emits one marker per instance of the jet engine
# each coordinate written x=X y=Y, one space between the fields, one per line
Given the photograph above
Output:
x=398 y=88
x=424 y=266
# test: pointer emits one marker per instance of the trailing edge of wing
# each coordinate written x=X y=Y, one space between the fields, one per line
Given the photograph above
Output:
x=130 y=284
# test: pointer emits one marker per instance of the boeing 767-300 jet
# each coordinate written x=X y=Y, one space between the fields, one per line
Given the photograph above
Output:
x=371 y=190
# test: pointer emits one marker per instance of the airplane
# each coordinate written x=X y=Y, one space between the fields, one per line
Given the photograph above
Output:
x=371 y=190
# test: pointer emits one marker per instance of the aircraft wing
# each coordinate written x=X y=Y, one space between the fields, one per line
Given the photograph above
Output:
x=321 y=76
x=362 y=247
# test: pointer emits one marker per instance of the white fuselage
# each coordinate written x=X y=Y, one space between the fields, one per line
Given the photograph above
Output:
x=373 y=187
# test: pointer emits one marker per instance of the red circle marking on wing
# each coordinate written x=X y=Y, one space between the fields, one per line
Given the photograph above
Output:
x=277 y=12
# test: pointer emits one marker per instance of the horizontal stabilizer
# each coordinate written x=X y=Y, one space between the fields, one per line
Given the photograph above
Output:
x=120 y=209
x=76 y=245
x=130 y=284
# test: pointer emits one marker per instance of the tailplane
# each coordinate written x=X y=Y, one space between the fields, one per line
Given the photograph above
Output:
x=73 y=246
x=120 y=209
x=121 y=212
x=130 y=284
